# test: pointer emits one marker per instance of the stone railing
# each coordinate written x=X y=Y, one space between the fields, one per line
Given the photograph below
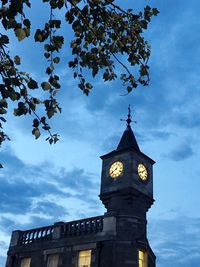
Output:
x=83 y=227
x=35 y=235
x=58 y=230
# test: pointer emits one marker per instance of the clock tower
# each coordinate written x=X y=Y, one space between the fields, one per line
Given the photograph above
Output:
x=117 y=238
x=127 y=194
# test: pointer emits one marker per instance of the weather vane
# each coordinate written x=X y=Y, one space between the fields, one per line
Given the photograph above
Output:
x=129 y=120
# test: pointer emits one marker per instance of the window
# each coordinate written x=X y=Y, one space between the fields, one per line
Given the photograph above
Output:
x=52 y=260
x=25 y=262
x=84 y=258
x=142 y=258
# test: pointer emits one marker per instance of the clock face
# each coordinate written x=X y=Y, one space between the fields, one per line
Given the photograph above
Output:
x=116 y=169
x=142 y=172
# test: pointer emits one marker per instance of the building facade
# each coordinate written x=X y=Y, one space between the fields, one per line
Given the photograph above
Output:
x=116 y=239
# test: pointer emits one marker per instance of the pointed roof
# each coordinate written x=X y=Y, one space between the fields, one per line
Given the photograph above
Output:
x=128 y=140
x=127 y=143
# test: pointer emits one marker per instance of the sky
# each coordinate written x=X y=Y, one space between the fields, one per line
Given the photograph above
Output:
x=41 y=184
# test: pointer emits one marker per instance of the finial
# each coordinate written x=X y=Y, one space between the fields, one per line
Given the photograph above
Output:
x=129 y=115
x=128 y=120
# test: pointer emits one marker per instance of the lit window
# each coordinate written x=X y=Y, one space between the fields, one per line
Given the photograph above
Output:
x=25 y=262
x=84 y=259
x=53 y=260
x=142 y=258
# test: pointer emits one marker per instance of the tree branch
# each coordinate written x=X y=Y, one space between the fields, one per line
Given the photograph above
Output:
x=124 y=66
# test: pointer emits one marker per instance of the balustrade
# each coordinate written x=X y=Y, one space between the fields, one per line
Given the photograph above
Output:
x=69 y=229
x=83 y=227
x=33 y=235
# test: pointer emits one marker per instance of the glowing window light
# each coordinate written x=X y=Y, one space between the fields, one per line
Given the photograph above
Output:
x=84 y=259
x=53 y=260
x=25 y=262
x=142 y=258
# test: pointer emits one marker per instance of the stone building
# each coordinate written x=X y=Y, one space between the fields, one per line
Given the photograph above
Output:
x=116 y=239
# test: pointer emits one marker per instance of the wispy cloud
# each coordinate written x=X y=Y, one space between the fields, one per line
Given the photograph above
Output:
x=182 y=152
x=176 y=241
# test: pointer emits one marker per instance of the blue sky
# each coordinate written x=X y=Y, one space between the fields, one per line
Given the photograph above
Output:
x=41 y=184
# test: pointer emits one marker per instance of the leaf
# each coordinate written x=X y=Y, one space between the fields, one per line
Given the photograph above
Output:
x=95 y=71
x=56 y=60
x=47 y=55
x=38 y=36
x=46 y=127
x=50 y=69
x=155 y=11
x=69 y=17
x=47 y=47
x=4 y=39
x=71 y=64
x=89 y=86
x=46 y=86
x=32 y=84
x=3 y=111
x=36 y=132
x=17 y=60
x=57 y=23
x=129 y=89
x=51 y=141
x=3 y=119
x=144 y=24
x=27 y=2
x=50 y=112
x=36 y=123
x=21 y=110
x=20 y=33
x=35 y=101
x=32 y=107
x=27 y=23
x=3 y=103
x=27 y=31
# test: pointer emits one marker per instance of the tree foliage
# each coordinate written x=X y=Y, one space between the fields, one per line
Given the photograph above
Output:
x=103 y=34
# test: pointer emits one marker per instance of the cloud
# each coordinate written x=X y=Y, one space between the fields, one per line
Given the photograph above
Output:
x=153 y=135
x=3 y=246
x=182 y=152
x=176 y=241
x=76 y=179
x=189 y=120
x=17 y=196
x=38 y=221
x=51 y=193
x=49 y=208
x=2 y=261
x=34 y=196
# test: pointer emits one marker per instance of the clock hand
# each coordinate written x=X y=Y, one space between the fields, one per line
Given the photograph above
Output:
x=113 y=171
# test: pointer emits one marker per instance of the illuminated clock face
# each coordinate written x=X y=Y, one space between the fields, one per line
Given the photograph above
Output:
x=142 y=172
x=116 y=169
